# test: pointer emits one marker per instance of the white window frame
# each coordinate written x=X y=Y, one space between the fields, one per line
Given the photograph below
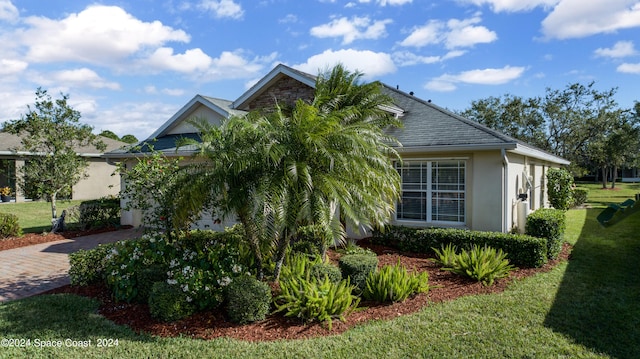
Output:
x=427 y=189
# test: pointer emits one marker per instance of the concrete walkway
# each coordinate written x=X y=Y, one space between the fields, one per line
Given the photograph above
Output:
x=38 y=268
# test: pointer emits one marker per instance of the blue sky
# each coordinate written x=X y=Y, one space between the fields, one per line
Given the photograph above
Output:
x=128 y=66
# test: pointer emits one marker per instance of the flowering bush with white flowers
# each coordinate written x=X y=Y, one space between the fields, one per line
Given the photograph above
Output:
x=206 y=263
x=200 y=263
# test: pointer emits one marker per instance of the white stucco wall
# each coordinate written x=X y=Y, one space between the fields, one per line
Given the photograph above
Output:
x=100 y=182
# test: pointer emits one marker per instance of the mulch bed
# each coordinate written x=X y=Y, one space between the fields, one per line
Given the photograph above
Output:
x=445 y=286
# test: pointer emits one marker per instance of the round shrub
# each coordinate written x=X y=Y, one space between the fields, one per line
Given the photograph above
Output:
x=357 y=267
x=248 y=300
x=550 y=224
x=88 y=266
x=321 y=271
x=9 y=226
x=168 y=303
x=145 y=279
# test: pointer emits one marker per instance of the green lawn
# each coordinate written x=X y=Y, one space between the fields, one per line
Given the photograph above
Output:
x=35 y=217
x=586 y=308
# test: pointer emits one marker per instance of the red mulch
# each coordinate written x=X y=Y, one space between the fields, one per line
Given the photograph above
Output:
x=445 y=286
x=36 y=238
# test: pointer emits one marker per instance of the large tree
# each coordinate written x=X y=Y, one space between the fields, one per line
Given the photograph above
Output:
x=51 y=135
x=574 y=122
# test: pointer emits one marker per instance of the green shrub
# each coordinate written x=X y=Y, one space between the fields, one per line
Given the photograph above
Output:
x=523 y=250
x=298 y=265
x=351 y=247
x=446 y=256
x=321 y=270
x=580 y=196
x=248 y=300
x=559 y=183
x=549 y=224
x=483 y=264
x=394 y=284
x=99 y=213
x=357 y=267
x=146 y=278
x=88 y=266
x=313 y=300
x=309 y=240
x=168 y=303
x=9 y=226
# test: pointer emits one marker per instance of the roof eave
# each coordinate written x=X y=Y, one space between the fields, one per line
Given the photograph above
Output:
x=456 y=148
x=525 y=150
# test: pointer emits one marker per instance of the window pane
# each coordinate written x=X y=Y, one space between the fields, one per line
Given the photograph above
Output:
x=413 y=206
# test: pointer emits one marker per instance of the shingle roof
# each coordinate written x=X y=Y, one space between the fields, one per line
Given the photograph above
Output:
x=10 y=142
x=426 y=124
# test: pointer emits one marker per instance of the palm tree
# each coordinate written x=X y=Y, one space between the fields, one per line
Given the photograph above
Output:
x=323 y=161
x=226 y=176
x=334 y=160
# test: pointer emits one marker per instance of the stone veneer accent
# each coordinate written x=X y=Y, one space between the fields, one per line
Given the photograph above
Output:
x=286 y=90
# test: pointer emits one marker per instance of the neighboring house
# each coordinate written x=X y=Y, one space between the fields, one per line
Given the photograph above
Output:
x=100 y=182
x=455 y=172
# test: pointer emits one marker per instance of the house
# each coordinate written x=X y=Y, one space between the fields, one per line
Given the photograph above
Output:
x=100 y=182
x=455 y=172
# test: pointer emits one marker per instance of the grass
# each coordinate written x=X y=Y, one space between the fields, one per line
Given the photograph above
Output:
x=35 y=217
x=587 y=308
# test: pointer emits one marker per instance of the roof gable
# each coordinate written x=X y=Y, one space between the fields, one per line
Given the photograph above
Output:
x=277 y=78
x=209 y=107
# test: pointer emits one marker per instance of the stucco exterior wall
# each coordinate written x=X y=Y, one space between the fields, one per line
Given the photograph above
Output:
x=485 y=191
x=100 y=182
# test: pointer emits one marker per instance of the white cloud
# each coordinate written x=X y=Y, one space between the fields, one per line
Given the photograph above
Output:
x=138 y=119
x=619 y=50
x=12 y=67
x=289 y=18
x=453 y=34
x=191 y=61
x=236 y=65
x=83 y=77
x=513 y=5
x=629 y=68
x=8 y=12
x=352 y=29
x=99 y=34
x=578 y=18
x=222 y=8
x=372 y=64
x=447 y=82
x=406 y=58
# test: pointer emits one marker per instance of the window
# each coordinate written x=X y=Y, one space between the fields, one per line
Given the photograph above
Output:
x=432 y=191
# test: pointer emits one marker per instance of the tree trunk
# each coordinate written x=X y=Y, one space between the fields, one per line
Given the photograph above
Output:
x=54 y=213
x=251 y=235
x=614 y=176
x=604 y=177
x=281 y=252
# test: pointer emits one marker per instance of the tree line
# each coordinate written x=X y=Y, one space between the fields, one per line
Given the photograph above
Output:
x=579 y=123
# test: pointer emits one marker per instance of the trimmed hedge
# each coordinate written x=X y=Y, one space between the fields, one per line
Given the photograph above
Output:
x=248 y=300
x=549 y=224
x=99 y=213
x=580 y=196
x=168 y=303
x=322 y=270
x=87 y=266
x=357 y=267
x=522 y=250
x=9 y=226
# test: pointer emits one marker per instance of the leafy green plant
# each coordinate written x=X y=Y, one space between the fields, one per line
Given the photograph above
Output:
x=146 y=278
x=322 y=270
x=297 y=265
x=559 y=183
x=357 y=267
x=550 y=224
x=446 y=256
x=248 y=300
x=580 y=196
x=88 y=266
x=167 y=303
x=9 y=226
x=394 y=284
x=99 y=213
x=309 y=299
x=483 y=264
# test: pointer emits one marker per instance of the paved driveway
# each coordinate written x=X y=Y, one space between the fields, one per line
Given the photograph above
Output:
x=38 y=268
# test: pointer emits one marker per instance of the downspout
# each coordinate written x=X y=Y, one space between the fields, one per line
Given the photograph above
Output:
x=505 y=189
